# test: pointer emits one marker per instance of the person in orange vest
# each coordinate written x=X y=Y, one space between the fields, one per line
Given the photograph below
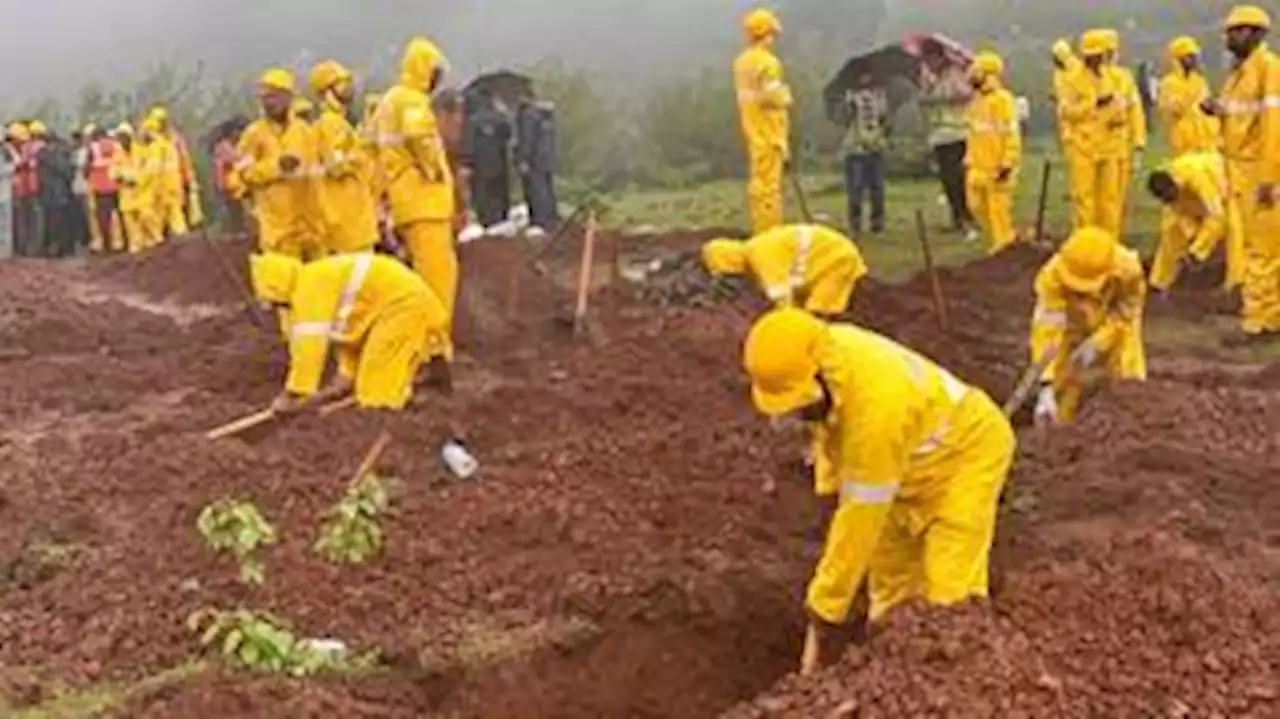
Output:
x=103 y=154
x=29 y=220
x=18 y=135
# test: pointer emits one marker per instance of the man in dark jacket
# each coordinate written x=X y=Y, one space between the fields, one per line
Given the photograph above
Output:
x=56 y=174
x=487 y=152
x=536 y=160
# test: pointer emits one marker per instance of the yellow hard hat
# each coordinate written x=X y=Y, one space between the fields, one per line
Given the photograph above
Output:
x=781 y=357
x=725 y=257
x=1111 y=38
x=1093 y=43
x=1062 y=50
x=327 y=74
x=1184 y=46
x=988 y=63
x=124 y=128
x=273 y=276
x=1247 y=16
x=38 y=129
x=277 y=79
x=1086 y=260
x=302 y=106
x=19 y=132
x=760 y=23
x=160 y=113
x=89 y=128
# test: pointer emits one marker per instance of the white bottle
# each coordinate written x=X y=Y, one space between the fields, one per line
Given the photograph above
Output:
x=458 y=459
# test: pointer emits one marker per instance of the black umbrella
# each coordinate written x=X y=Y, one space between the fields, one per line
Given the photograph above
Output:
x=886 y=66
x=510 y=87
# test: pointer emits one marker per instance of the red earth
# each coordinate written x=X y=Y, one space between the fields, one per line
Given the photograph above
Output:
x=617 y=555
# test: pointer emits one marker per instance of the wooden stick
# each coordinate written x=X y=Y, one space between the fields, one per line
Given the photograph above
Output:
x=237 y=426
x=1044 y=198
x=584 y=274
x=800 y=196
x=939 y=300
x=336 y=405
x=371 y=457
x=811 y=654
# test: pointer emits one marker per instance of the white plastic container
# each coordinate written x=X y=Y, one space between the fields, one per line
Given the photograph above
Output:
x=459 y=461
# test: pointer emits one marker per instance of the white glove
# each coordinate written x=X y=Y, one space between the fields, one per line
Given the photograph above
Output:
x=1085 y=355
x=1046 y=407
x=470 y=233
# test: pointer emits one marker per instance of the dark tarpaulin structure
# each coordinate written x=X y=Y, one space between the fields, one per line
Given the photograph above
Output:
x=888 y=66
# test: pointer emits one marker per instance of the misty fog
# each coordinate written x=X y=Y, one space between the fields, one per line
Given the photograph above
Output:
x=52 y=48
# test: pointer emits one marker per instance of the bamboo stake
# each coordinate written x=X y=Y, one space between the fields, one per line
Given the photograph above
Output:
x=811 y=654
x=1044 y=198
x=336 y=405
x=939 y=300
x=371 y=457
x=584 y=274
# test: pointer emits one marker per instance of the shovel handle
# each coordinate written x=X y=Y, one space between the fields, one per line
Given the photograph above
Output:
x=810 y=655
x=237 y=426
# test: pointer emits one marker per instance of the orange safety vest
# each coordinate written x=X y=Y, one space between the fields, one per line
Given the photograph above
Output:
x=26 y=177
x=224 y=161
x=102 y=155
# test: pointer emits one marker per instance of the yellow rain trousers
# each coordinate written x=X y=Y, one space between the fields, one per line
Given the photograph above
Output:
x=412 y=171
x=1204 y=215
x=1189 y=129
x=1126 y=134
x=995 y=142
x=377 y=311
x=133 y=171
x=350 y=219
x=920 y=459
x=1250 y=103
x=1064 y=319
x=1095 y=175
x=280 y=202
x=764 y=101
x=810 y=265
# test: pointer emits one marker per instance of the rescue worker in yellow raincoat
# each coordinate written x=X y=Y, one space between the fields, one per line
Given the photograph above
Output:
x=811 y=266
x=347 y=204
x=169 y=194
x=1086 y=100
x=1066 y=71
x=378 y=312
x=764 y=104
x=190 y=200
x=1090 y=298
x=1249 y=107
x=1199 y=213
x=136 y=177
x=277 y=160
x=919 y=457
x=412 y=172
x=993 y=152
x=1125 y=132
x=1182 y=91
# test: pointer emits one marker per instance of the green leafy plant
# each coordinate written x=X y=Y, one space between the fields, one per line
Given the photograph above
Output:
x=239 y=528
x=352 y=534
x=263 y=642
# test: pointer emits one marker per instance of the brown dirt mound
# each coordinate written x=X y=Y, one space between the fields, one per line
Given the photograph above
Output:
x=620 y=494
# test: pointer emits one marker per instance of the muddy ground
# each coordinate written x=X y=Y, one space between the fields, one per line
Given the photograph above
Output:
x=617 y=555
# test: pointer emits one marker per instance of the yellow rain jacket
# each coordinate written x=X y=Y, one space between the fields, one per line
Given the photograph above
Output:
x=346 y=186
x=280 y=202
x=1067 y=85
x=170 y=194
x=1125 y=122
x=1180 y=95
x=1111 y=318
x=764 y=104
x=134 y=172
x=920 y=459
x=374 y=308
x=413 y=170
x=1250 y=103
x=810 y=265
x=1204 y=215
x=994 y=144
